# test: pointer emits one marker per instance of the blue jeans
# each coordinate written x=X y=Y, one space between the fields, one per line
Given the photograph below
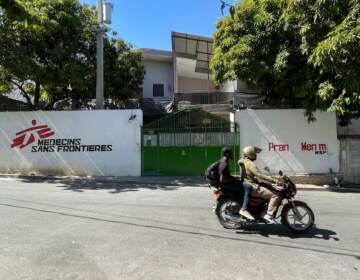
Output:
x=240 y=185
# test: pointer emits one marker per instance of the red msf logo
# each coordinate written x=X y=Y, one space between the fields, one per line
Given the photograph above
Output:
x=28 y=136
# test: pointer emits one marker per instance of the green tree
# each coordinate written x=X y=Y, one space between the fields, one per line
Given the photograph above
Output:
x=60 y=50
x=36 y=58
x=123 y=71
x=300 y=53
x=13 y=10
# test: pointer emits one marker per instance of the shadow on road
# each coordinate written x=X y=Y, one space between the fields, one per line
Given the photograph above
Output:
x=194 y=231
x=281 y=231
x=348 y=188
x=113 y=184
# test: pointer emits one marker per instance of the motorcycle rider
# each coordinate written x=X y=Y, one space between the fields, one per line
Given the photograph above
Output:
x=228 y=181
x=252 y=173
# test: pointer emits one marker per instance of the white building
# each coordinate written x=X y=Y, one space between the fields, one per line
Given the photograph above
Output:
x=183 y=73
x=159 y=77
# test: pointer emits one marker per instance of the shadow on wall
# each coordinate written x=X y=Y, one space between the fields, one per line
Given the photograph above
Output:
x=63 y=144
x=115 y=184
x=288 y=162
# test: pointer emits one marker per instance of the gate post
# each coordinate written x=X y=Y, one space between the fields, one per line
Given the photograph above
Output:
x=142 y=149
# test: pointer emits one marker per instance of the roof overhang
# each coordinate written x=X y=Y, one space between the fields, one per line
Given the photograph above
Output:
x=157 y=55
x=194 y=47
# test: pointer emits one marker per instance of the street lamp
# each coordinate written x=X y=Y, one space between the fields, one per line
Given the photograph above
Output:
x=104 y=17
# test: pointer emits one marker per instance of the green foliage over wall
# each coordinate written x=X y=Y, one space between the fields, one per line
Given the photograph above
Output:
x=48 y=53
x=301 y=53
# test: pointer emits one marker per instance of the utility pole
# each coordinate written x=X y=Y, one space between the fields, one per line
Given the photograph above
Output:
x=104 y=17
x=100 y=58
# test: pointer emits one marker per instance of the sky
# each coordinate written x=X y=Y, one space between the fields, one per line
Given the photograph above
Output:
x=148 y=23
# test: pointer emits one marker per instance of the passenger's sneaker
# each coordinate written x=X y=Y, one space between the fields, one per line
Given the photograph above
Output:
x=268 y=219
x=245 y=213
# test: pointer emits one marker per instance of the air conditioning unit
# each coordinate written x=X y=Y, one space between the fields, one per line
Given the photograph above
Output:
x=107 y=12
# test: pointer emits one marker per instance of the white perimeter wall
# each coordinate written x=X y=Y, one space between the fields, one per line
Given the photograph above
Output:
x=158 y=72
x=91 y=127
x=289 y=127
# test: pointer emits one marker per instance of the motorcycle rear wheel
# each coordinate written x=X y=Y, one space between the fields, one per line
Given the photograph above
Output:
x=226 y=208
x=299 y=224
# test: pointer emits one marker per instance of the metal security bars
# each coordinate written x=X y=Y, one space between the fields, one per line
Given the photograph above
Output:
x=191 y=139
x=186 y=142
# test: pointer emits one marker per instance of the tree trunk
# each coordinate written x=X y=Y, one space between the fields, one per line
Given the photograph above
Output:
x=24 y=93
x=37 y=94
x=29 y=104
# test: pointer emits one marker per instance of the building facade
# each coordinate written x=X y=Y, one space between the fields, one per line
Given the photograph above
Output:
x=159 y=77
x=183 y=71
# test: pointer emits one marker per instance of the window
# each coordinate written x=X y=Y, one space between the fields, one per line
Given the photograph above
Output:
x=158 y=90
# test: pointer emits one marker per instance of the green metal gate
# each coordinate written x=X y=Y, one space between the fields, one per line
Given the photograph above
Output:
x=186 y=142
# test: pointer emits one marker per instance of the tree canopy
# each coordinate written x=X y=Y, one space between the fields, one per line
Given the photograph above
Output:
x=300 y=53
x=13 y=10
x=54 y=57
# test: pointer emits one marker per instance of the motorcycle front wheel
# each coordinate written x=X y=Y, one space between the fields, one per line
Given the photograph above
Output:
x=226 y=211
x=301 y=221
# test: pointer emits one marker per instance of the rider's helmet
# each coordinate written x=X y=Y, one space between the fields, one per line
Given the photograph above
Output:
x=227 y=152
x=250 y=152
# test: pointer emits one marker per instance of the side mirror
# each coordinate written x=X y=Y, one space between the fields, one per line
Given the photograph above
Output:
x=281 y=173
x=267 y=169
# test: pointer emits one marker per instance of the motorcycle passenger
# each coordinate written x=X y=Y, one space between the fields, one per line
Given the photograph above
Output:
x=254 y=175
x=228 y=181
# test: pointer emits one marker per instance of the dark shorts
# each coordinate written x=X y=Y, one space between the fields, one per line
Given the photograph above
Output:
x=235 y=186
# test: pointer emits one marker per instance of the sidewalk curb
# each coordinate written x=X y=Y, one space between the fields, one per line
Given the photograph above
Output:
x=344 y=190
x=313 y=188
x=166 y=181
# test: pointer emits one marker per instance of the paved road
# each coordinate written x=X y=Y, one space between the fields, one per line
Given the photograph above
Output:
x=86 y=229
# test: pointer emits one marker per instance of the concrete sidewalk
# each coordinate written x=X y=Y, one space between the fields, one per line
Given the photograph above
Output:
x=186 y=181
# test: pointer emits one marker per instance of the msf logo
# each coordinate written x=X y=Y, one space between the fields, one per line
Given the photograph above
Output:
x=28 y=136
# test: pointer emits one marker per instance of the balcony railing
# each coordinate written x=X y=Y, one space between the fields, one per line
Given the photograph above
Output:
x=235 y=99
x=205 y=98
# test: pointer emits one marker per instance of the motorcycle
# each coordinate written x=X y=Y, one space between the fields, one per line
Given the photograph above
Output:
x=294 y=214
